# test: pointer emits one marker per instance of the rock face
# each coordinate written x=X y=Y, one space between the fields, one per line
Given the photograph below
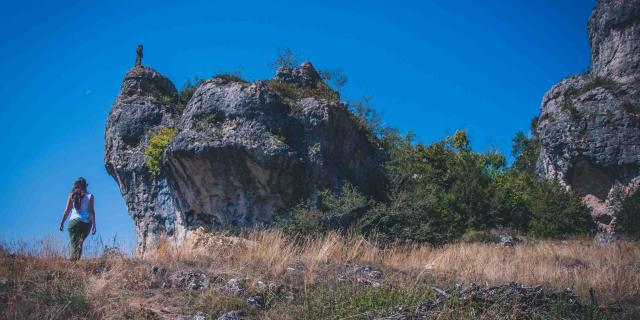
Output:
x=589 y=125
x=242 y=152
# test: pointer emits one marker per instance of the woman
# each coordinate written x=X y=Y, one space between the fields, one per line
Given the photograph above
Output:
x=83 y=217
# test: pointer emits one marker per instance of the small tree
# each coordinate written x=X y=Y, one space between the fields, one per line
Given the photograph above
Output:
x=285 y=58
x=629 y=217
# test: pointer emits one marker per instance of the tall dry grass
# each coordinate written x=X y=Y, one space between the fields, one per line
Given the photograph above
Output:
x=113 y=286
x=613 y=271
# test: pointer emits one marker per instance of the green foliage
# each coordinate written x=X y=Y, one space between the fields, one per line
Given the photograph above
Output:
x=479 y=236
x=228 y=77
x=291 y=92
x=366 y=119
x=556 y=213
x=66 y=294
x=348 y=301
x=629 y=217
x=188 y=89
x=334 y=211
x=525 y=151
x=233 y=76
x=208 y=119
x=179 y=100
x=599 y=82
x=155 y=148
x=444 y=191
x=353 y=302
x=592 y=83
x=567 y=106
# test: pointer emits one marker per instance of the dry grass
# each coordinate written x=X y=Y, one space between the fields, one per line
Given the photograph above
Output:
x=118 y=286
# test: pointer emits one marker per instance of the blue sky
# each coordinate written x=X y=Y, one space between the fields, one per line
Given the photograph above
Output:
x=430 y=66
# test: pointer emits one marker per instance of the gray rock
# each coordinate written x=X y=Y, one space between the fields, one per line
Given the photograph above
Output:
x=589 y=125
x=190 y=280
x=235 y=286
x=232 y=315
x=504 y=238
x=306 y=75
x=368 y=271
x=605 y=238
x=614 y=35
x=243 y=152
x=197 y=316
x=134 y=116
x=256 y=301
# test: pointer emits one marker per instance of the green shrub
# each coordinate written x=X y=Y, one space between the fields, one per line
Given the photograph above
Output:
x=483 y=236
x=188 y=89
x=155 y=148
x=230 y=77
x=366 y=118
x=599 y=82
x=567 y=106
x=291 y=92
x=65 y=294
x=556 y=213
x=444 y=191
x=334 y=211
x=628 y=221
x=179 y=100
x=525 y=152
x=353 y=302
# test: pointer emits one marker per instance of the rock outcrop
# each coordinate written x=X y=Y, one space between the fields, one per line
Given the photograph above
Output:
x=589 y=125
x=237 y=155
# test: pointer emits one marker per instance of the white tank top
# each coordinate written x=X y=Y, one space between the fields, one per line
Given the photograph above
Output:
x=82 y=213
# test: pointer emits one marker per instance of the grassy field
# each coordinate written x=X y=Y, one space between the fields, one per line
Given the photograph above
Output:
x=327 y=277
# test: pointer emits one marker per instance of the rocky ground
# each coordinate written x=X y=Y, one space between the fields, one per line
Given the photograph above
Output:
x=263 y=275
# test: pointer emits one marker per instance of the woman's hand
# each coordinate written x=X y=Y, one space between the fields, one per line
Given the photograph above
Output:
x=93 y=230
x=61 y=226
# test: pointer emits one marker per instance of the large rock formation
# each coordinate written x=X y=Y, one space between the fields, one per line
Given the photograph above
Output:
x=238 y=154
x=589 y=125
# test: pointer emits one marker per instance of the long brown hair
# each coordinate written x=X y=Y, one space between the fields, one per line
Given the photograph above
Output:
x=78 y=191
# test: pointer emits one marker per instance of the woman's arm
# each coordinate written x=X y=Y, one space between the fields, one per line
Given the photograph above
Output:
x=66 y=212
x=92 y=215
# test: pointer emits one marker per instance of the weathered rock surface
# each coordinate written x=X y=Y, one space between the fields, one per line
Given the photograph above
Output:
x=589 y=125
x=242 y=153
x=614 y=34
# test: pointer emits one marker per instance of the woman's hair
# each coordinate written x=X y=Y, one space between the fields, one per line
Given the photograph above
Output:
x=78 y=191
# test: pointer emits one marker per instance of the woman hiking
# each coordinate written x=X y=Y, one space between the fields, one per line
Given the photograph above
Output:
x=83 y=217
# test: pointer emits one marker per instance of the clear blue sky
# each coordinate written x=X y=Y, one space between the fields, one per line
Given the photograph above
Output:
x=431 y=66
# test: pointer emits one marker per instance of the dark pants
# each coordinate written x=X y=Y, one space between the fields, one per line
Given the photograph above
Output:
x=78 y=231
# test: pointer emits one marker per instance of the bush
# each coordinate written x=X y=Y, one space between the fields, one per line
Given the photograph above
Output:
x=334 y=211
x=179 y=100
x=155 y=148
x=556 y=213
x=629 y=217
x=483 y=236
x=229 y=77
x=445 y=191
x=353 y=302
x=293 y=92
